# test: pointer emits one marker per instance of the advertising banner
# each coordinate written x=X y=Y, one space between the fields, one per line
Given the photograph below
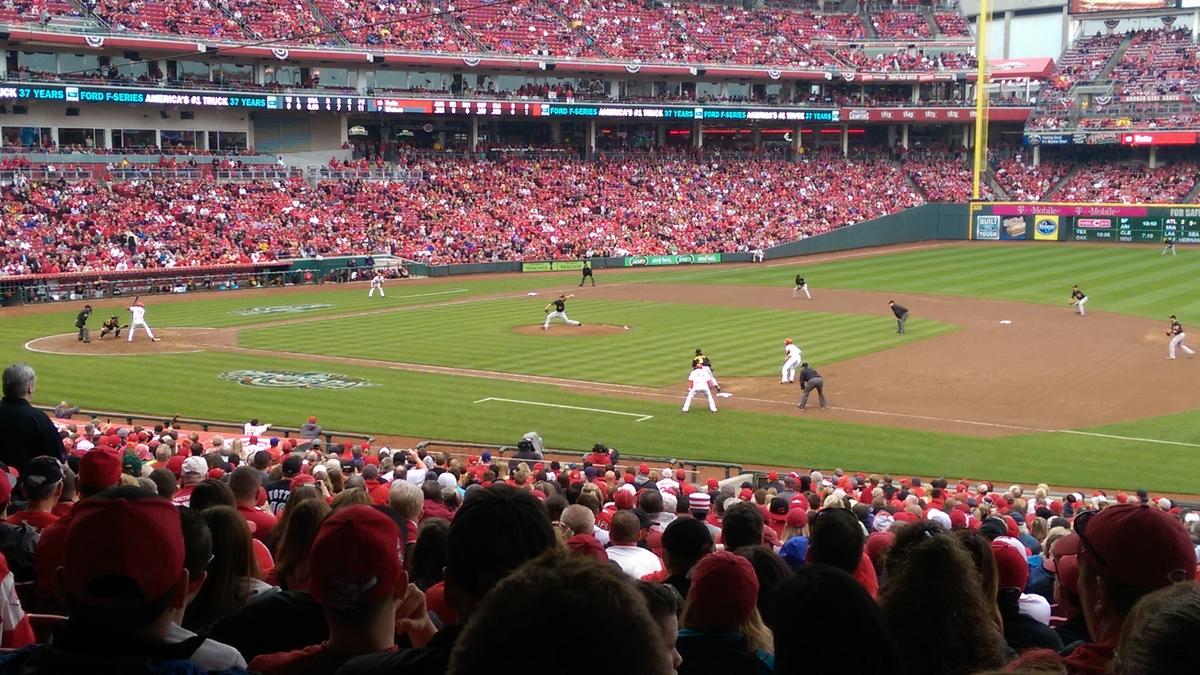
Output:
x=1045 y=228
x=987 y=227
x=682 y=259
x=1014 y=227
x=1159 y=138
x=552 y=266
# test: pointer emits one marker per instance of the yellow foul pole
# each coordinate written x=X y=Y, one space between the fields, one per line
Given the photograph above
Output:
x=981 y=98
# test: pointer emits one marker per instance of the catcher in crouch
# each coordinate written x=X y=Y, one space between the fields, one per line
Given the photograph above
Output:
x=112 y=325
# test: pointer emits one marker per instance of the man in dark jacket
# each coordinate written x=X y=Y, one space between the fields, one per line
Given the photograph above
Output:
x=28 y=432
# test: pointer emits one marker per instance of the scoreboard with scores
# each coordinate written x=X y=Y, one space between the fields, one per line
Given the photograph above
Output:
x=333 y=104
x=1086 y=222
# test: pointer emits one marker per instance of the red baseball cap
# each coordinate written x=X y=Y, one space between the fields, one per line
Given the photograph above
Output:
x=175 y=464
x=1011 y=567
x=100 y=469
x=746 y=494
x=586 y=544
x=724 y=591
x=140 y=540
x=1067 y=545
x=798 y=517
x=643 y=468
x=216 y=473
x=302 y=480
x=1137 y=546
x=624 y=499
x=713 y=484
x=772 y=476
x=355 y=559
x=680 y=474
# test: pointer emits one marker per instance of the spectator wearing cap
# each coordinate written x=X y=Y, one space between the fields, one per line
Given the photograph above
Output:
x=360 y=583
x=28 y=432
x=685 y=542
x=1021 y=632
x=310 y=430
x=1125 y=552
x=42 y=484
x=699 y=505
x=244 y=482
x=721 y=630
x=279 y=490
x=1159 y=635
x=122 y=577
x=777 y=516
x=477 y=559
x=194 y=472
x=624 y=535
x=554 y=597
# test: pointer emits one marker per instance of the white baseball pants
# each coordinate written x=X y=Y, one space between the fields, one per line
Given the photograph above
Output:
x=801 y=288
x=1177 y=341
x=371 y=294
x=789 y=369
x=687 y=402
x=559 y=315
x=1079 y=306
x=133 y=329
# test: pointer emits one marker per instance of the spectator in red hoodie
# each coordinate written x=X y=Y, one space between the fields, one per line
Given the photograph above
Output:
x=245 y=482
x=42 y=483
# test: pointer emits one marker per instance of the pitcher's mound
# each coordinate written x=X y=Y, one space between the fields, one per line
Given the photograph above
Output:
x=563 y=330
x=172 y=341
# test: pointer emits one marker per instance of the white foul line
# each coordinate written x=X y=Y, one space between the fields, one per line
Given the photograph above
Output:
x=1126 y=438
x=424 y=295
x=640 y=418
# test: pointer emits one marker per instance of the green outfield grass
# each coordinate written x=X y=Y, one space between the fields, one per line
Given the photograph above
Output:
x=655 y=352
x=477 y=333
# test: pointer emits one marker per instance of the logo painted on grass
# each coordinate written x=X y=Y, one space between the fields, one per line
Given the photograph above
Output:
x=278 y=309
x=293 y=379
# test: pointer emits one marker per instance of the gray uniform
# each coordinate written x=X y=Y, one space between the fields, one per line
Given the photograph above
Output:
x=901 y=317
x=810 y=379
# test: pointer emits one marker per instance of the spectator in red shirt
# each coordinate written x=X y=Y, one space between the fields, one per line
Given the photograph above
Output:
x=359 y=580
x=433 y=506
x=244 y=482
x=195 y=470
x=42 y=483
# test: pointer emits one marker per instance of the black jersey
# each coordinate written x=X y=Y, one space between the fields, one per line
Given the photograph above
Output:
x=82 y=318
x=1176 y=328
x=799 y=280
x=111 y=323
x=1077 y=294
x=587 y=271
x=899 y=311
x=560 y=305
x=1169 y=242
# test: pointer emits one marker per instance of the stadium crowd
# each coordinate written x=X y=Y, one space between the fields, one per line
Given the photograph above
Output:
x=1129 y=183
x=155 y=549
x=1025 y=182
x=448 y=210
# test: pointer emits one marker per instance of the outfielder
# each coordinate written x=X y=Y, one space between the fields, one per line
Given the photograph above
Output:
x=791 y=363
x=1177 y=338
x=1079 y=299
x=801 y=285
x=1168 y=246
x=699 y=382
x=560 y=312
x=113 y=325
x=377 y=285
x=138 y=310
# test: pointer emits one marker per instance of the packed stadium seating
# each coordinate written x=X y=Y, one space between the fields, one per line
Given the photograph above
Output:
x=523 y=27
x=942 y=175
x=1025 y=182
x=168 y=16
x=951 y=24
x=458 y=211
x=1099 y=181
x=894 y=25
x=1158 y=62
x=286 y=544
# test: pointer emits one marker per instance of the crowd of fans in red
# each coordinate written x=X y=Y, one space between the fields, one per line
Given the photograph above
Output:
x=451 y=211
x=1028 y=183
x=1130 y=183
x=156 y=549
x=689 y=31
x=943 y=175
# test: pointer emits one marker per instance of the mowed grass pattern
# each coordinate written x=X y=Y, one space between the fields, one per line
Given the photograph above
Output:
x=656 y=351
x=1129 y=280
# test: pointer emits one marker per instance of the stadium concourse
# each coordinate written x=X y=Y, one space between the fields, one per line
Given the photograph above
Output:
x=161 y=549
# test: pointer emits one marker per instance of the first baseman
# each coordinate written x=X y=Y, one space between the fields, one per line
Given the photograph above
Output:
x=138 y=310
x=699 y=382
x=560 y=312
x=1177 y=338
x=801 y=285
x=377 y=285
x=1079 y=299
x=790 y=363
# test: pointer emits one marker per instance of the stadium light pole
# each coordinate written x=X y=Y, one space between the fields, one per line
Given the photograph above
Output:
x=981 y=99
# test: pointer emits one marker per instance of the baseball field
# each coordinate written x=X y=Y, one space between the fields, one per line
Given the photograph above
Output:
x=996 y=378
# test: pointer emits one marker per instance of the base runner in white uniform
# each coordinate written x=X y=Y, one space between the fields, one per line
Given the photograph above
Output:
x=792 y=362
x=138 y=310
x=1177 y=338
x=560 y=312
x=376 y=285
x=699 y=382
